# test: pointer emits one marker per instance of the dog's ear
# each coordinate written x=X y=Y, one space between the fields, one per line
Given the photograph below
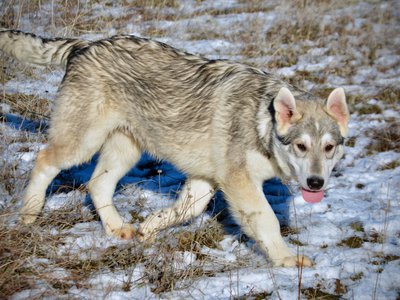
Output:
x=285 y=110
x=336 y=107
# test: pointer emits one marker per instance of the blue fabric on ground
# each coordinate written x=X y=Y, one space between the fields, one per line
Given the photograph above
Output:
x=163 y=177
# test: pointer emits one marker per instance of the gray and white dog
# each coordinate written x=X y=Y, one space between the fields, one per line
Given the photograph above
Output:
x=226 y=125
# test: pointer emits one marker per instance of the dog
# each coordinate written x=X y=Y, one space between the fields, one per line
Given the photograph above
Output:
x=226 y=125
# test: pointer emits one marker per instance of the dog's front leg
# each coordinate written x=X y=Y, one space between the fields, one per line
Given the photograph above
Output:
x=252 y=210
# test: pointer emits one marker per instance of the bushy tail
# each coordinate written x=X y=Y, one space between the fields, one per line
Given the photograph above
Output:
x=29 y=48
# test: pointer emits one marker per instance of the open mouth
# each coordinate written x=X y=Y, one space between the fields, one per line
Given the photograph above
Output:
x=312 y=196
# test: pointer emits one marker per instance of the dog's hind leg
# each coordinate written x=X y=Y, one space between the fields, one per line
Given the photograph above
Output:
x=62 y=152
x=118 y=154
x=193 y=200
x=74 y=138
x=42 y=175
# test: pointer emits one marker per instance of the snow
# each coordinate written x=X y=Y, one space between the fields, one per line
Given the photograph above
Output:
x=360 y=191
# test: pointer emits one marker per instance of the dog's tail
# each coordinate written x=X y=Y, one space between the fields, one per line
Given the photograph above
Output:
x=29 y=48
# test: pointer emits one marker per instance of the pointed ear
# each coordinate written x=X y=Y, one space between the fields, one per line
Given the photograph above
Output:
x=285 y=110
x=336 y=107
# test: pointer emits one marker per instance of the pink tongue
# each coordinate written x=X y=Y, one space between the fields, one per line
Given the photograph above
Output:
x=312 y=197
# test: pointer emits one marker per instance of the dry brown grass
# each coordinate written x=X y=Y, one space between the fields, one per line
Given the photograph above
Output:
x=351 y=141
x=389 y=95
x=385 y=139
x=30 y=106
x=352 y=242
x=319 y=293
x=13 y=176
x=368 y=109
x=248 y=7
x=5 y=74
x=11 y=18
x=208 y=235
x=10 y=177
x=18 y=247
x=156 y=3
x=389 y=166
x=28 y=253
x=254 y=296
x=154 y=32
x=166 y=275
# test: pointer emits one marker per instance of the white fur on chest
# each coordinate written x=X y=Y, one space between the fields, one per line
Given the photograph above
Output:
x=259 y=166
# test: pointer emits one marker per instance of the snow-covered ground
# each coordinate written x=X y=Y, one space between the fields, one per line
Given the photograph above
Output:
x=353 y=235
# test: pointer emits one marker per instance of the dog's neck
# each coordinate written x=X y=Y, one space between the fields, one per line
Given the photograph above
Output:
x=280 y=156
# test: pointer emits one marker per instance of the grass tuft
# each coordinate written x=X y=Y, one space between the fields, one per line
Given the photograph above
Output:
x=208 y=235
x=318 y=293
x=389 y=95
x=18 y=248
x=368 y=109
x=352 y=242
x=357 y=226
x=384 y=139
x=254 y=296
x=390 y=166
x=156 y=3
x=29 y=106
x=351 y=141
x=357 y=276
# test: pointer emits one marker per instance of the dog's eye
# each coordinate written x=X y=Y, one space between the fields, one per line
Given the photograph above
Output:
x=329 y=148
x=301 y=147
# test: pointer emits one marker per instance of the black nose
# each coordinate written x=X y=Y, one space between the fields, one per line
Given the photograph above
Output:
x=315 y=182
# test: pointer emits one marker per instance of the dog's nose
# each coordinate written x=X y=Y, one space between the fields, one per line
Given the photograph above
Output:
x=315 y=182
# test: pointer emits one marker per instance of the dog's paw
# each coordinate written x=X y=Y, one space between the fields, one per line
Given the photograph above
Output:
x=125 y=232
x=294 y=261
x=26 y=219
x=146 y=237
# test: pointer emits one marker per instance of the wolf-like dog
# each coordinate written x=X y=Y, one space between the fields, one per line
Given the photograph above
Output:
x=227 y=125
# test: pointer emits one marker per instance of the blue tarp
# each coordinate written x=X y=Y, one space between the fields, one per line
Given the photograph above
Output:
x=161 y=176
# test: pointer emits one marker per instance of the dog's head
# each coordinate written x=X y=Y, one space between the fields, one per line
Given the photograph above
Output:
x=311 y=135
